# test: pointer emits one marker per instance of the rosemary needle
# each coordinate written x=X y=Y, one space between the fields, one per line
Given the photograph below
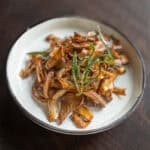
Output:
x=75 y=71
x=87 y=67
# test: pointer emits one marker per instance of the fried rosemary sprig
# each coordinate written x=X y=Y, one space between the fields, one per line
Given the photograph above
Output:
x=75 y=71
x=94 y=78
x=87 y=67
x=108 y=57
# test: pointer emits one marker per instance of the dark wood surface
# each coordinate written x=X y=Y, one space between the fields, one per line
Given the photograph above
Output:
x=16 y=131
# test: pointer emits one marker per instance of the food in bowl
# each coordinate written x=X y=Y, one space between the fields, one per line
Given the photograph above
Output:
x=75 y=73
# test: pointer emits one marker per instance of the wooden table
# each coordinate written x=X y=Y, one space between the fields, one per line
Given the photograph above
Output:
x=19 y=133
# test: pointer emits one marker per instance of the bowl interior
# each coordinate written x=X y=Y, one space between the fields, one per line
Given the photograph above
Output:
x=34 y=39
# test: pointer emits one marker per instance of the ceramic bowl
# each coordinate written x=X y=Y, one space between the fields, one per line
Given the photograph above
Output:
x=34 y=39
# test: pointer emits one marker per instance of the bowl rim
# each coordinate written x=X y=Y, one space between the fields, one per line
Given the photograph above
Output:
x=91 y=131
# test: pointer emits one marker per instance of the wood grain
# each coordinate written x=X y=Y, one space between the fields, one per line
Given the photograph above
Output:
x=130 y=17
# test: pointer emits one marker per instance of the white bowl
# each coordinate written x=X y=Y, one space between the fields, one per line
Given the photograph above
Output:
x=115 y=111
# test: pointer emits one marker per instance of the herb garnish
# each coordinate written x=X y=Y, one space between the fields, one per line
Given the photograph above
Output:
x=75 y=71
x=81 y=81
x=109 y=59
x=94 y=78
x=87 y=67
x=42 y=53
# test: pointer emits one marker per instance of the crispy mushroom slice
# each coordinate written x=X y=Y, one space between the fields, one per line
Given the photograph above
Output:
x=62 y=72
x=120 y=69
x=50 y=63
x=124 y=59
x=37 y=92
x=84 y=38
x=80 y=45
x=95 y=84
x=69 y=103
x=85 y=112
x=55 y=84
x=55 y=56
x=47 y=83
x=55 y=53
x=96 y=98
x=84 y=52
x=106 y=85
x=59 y=94
x=99 y=47
x=65 y=83
x=39 y=69
x=78 y=121
x=53 y=105
x=82 y=116
x=115 y=54
x=53 y=40
x=119 y=91
x=53 y=110
x=78 y=38
x=106 y=88
x=52 y=92
x=30 y=67
x=88 y=102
